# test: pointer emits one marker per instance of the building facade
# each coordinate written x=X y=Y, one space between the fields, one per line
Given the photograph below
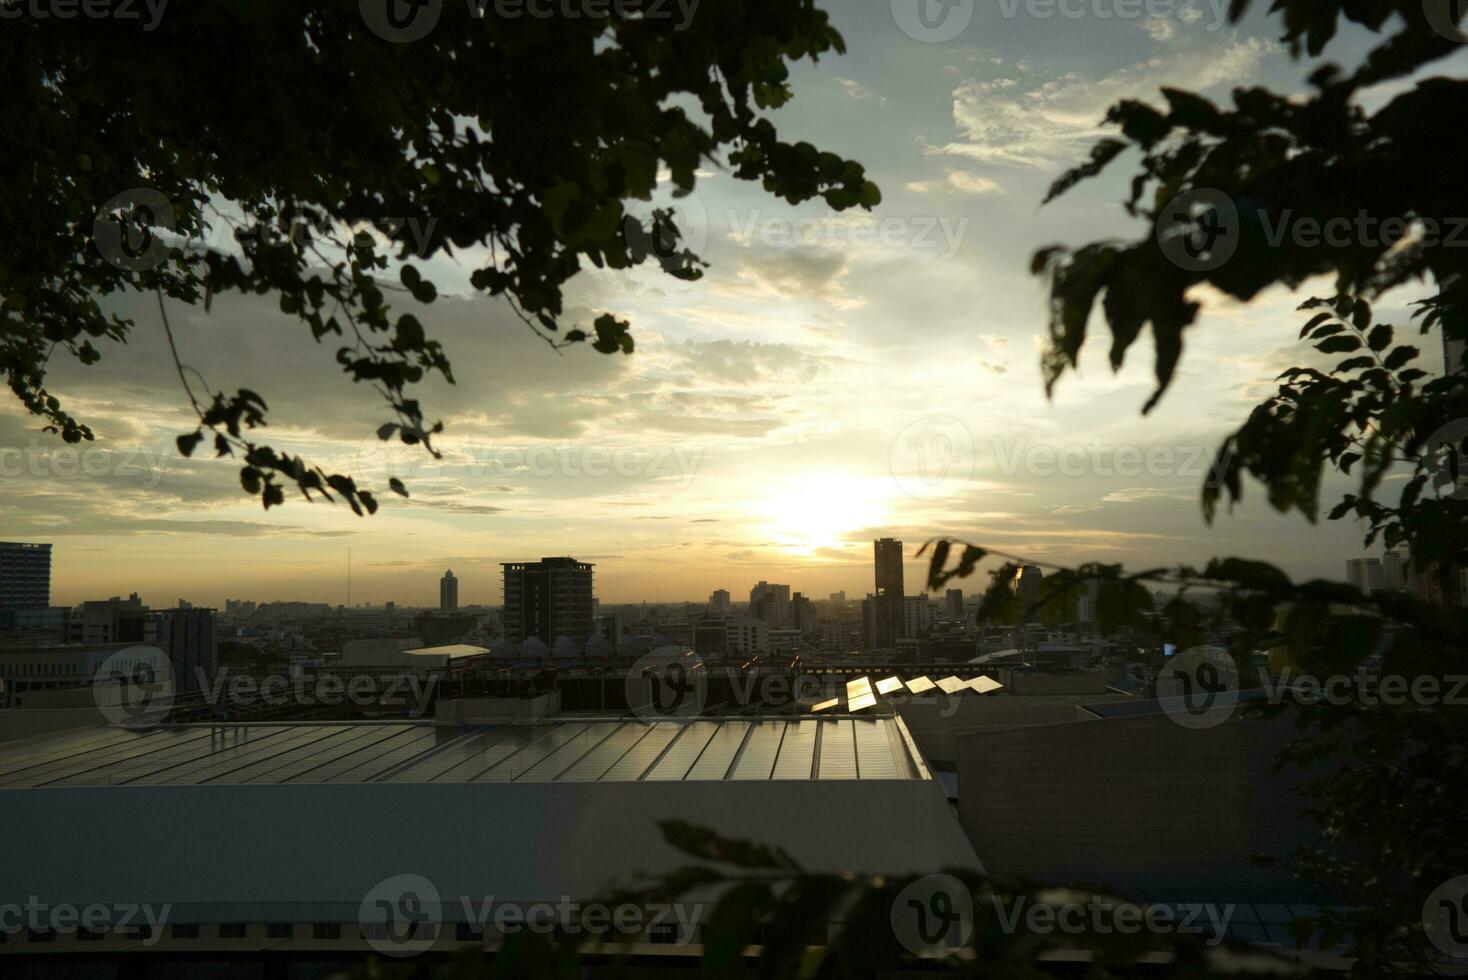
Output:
x=25 y=575
x=887 y=600
x=1030 y=588
x=1365 y=574
x=917 y=616
x=548 y=599
x=448 y=592
x=747 y=636
x=187 y=637
x=771 y=603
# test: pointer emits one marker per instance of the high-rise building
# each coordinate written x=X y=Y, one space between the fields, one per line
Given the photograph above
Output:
x=917 y=616
x=1396 y=570
x=25 y=575
x=548 y=599
x=1088 y=602
x=802 y=613
x=869 y=622
x=771 y=603
x=448 y=592
x=1365 y=574
x=887 y=602
x=118 y=620
x=1030 y=588
x=187 y=636
x=838 y=602
x=953 y=605
x=746 y=636
x=719 y=603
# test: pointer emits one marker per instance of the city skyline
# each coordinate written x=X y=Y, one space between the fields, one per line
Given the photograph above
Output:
x=407 y=596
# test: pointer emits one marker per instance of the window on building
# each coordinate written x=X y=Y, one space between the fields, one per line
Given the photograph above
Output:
x=231 y=930
x=280 y=930
x=326 y=930
x=185 y=930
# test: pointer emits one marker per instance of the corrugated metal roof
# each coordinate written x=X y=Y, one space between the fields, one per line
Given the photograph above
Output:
x=599 y=750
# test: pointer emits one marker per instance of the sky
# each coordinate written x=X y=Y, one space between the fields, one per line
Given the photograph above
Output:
x=831 y=379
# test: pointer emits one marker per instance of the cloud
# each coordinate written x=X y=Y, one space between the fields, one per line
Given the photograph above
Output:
x=1159 y=29
x=793 y=273
x=1039 y=123
x=1131 y=495
x=968 y=183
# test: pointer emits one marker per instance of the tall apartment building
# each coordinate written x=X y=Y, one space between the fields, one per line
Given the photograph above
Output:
x=953 y=605
x=719 y=603
x=448 y=592
x=25 y=575
x=187 y=636
x=802 y=614
x=1396 y=570
x=548 y=599
x=771 y=603
x=746 y=636
x=1030 y=587
x=887 y=601
x=1366 y=574
x=917 y=616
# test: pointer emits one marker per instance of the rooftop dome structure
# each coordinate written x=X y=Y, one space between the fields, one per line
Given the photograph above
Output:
x=566 y=647
x=599 y=646
x=536 y=649
x=504 y=649
x=629 y=646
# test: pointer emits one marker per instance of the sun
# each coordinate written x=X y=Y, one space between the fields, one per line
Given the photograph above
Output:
x=810 y=513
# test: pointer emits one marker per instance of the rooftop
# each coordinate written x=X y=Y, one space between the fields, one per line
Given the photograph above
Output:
x=834 y=748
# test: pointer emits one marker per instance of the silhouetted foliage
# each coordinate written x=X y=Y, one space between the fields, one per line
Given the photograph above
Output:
x=1391 y=817
x=314 y=139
